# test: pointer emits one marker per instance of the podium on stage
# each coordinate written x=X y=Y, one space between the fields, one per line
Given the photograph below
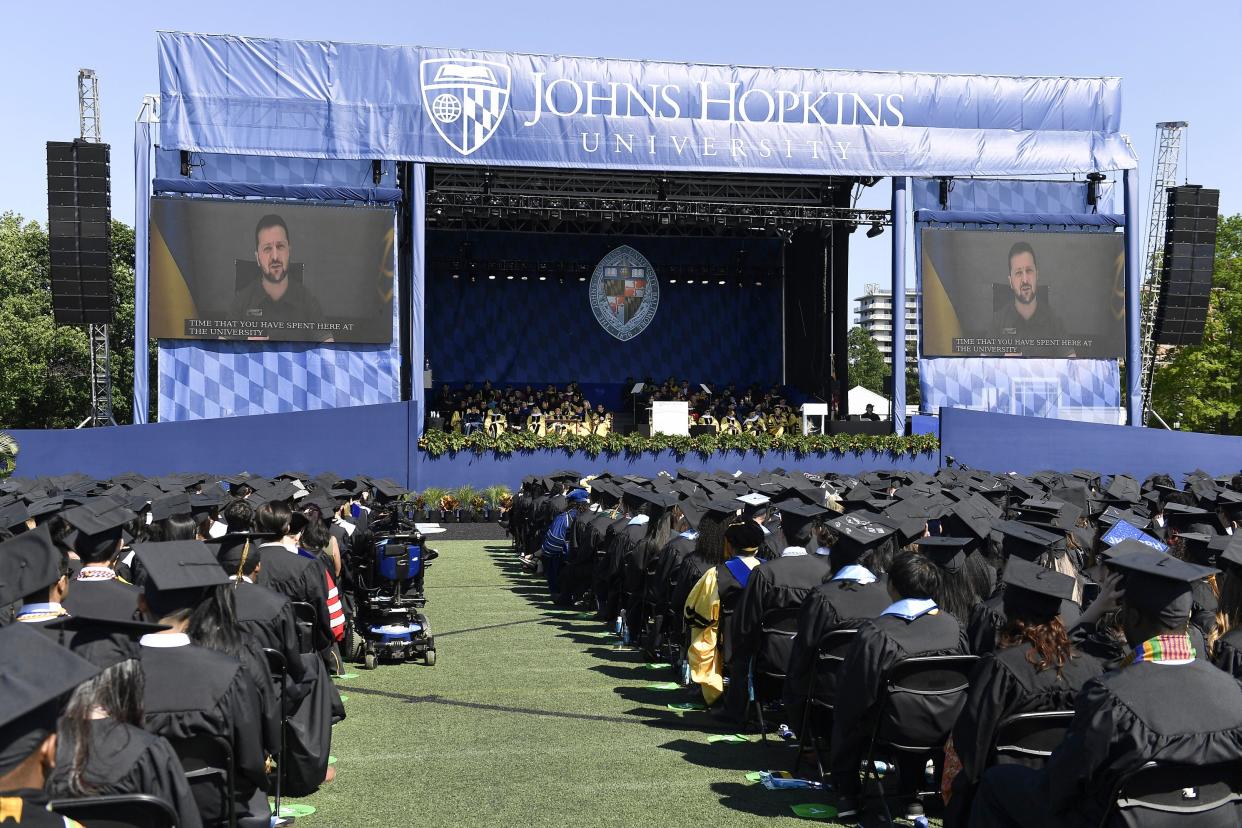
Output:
x=815 y=418
x=670 y=417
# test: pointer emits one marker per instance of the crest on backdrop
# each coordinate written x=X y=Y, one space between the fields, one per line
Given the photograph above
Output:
x=466 y=99
x=624 y=293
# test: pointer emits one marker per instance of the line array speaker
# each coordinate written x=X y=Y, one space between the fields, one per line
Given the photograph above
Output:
x=1189 y=256
x=79 y=220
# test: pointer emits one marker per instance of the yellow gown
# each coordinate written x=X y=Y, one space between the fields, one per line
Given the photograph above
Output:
x=702 y=613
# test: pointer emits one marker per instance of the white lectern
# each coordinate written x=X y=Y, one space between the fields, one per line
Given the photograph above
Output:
x=810 y=411
x=670 y=417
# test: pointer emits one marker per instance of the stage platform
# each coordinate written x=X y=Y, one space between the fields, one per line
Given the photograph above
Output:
x=381 y=440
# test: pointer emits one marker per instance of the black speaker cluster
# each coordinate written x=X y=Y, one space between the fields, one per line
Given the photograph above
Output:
x=79 y=217
x=1189 y=255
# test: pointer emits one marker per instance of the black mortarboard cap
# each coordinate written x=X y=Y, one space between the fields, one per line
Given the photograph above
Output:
x=45 y=506
x=972 y=517
x=1033 y=591
x=657 y=501
x=170 y=505
x=1123 y=488
x=231 y=548
x=173 y=566
x=1025 y=541
x=29 y=562
x=14 y=514
x=1197 y=548
x=105 y=640
x=605 y=492
x=796 y=514
x=1157 y=583
x=693 y=509
x=1231 y=555
x=1180 y=516
x=720 y=509
x=947 y=553
x=35 y=672
x=99 y=516
x=202 y=505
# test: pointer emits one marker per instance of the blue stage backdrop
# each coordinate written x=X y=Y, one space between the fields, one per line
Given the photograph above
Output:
x=523 y=330
x=1073 y=389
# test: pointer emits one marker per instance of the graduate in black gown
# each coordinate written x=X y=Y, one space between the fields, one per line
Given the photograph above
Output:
x=911 y=626
x=1033 y=669
x=658 y=585
x=39 y=673
x=773 y=599
x=96 y=590
x=297 y=577
x=102 y=748
x=857 y=592
x=644 y=556
x=1163 y=704
x=266 y=619
x=36 y=573
x=193 y=691
x=1227 y=639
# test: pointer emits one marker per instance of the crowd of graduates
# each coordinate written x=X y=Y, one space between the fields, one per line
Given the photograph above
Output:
x=152 y=629
x=1006 y=650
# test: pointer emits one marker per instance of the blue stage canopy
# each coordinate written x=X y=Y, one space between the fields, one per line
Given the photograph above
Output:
x=316 y=99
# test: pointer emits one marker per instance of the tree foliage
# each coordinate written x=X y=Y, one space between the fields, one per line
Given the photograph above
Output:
x=867 y=365
x=44 y=367
x=1201 y=386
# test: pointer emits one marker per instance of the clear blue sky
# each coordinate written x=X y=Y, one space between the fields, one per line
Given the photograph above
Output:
x=1179 y=61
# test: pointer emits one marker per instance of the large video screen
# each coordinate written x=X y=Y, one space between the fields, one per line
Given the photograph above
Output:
x=248 y=270
x=1022 y=294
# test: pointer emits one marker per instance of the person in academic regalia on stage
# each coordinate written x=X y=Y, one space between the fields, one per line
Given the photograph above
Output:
x=38 y=674
x=194 y=691
x=1163 y=704
x=266 y=618
x=1034 y=669
x=775 y=593
x=911 y=626
x=96 y=590
x=103 y=748
x=713 y=600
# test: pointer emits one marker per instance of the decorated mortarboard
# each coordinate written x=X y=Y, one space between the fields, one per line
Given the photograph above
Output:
x=14 y=514
x=170 y=505
x=754 y=500
x=947 y=553
x=29 y=562
x=35 y=672
x=1027 y=542
x=860 y=530
x=1157 y=583
x=577 y=495
x=1034 y=591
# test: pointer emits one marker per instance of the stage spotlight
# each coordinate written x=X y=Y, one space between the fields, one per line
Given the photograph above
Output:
x=1093 y=188
x=876 y=229
x=721 y=282
x=672 y=281
x=456 y=275
x=524 y=278
x=689 y=281
x=543 y=278
x=853 y=225
x=758 y=284
x=491 y=277
x=510 y=277
x=581 y=278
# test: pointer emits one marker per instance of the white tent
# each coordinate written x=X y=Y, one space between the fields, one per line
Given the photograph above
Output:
x=859 y=397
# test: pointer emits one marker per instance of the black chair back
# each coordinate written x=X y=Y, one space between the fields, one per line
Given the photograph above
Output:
x=922 y=697
x=117 y=811
x=829 y=656
x=306 y=619
x=777 y=631
x=1179 y=796
x=208 y=765
x=1029 y=738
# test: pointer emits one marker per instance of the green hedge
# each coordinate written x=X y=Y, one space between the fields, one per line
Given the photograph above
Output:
x=436 y=443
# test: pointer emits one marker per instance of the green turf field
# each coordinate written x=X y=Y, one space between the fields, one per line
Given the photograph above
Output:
x=532 y=717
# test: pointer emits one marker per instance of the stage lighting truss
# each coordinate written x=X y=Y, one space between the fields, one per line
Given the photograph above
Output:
x=526 y=200
x=525 y=213
x=737 y=274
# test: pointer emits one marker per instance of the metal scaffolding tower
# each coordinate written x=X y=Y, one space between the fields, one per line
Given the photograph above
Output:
x=1164 y=175
x=101 y=357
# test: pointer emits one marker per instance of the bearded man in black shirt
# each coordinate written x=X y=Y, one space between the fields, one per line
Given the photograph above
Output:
x=1025 y=319
x=276 y=298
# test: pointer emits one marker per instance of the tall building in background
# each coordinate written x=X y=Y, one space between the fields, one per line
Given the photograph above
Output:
x=874 y=313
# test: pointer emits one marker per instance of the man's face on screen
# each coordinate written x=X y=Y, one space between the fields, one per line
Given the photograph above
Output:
x=1023 y=277
x=272 y=254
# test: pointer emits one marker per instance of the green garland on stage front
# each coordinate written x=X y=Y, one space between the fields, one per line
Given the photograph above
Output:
x=436 y=443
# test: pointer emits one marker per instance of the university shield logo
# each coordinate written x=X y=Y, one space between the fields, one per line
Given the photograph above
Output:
x=466 y=99
x=624 y=293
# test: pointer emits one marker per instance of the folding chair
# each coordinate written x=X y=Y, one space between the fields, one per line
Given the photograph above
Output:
x=829 y=655
x=208 y=764
x=1161 y=795
x=117 y=811
x=776 y=631
x=280 y=673
x=1029 y=738
x=918 y=706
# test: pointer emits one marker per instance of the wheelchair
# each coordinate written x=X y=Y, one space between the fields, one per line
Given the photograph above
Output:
x=388 y=621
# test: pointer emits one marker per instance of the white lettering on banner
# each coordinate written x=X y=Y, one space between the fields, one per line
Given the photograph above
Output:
x=727 y=103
